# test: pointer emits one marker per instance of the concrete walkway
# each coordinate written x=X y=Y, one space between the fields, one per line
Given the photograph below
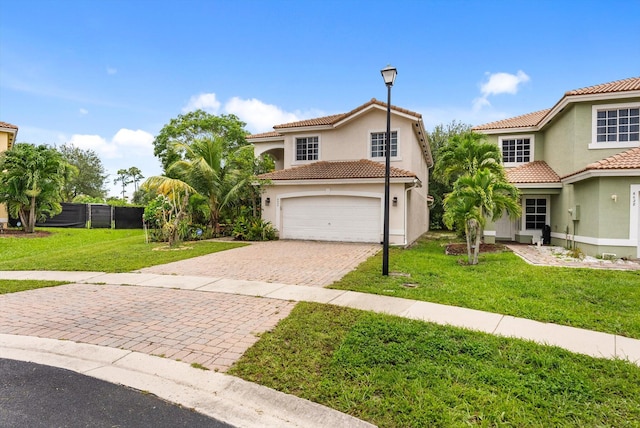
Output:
x=32 y=330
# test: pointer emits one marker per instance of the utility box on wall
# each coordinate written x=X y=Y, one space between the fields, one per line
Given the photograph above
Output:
x=575 y=212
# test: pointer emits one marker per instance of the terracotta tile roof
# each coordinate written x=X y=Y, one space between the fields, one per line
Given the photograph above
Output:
x=630 y=84
x=265 y=135
x=7 y=125
x=523 y=121
x=629 y=159
x=335 y=118
x=532 y=172
x=363 y=168
x=535 y=118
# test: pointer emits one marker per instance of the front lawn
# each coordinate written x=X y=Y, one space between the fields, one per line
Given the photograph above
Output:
x=602 y=300
x=396 y=372
x=102 y=250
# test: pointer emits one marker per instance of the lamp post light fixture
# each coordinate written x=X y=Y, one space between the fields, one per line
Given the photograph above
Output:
x=389 y=74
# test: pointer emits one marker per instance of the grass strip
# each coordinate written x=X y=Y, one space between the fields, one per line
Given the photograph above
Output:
x=15 y=285
x=395 y=372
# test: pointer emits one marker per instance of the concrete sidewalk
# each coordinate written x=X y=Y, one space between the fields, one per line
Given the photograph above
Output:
x=595 y=344
x=243 y=403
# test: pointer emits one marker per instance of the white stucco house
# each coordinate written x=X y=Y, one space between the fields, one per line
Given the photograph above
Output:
x=329 y=179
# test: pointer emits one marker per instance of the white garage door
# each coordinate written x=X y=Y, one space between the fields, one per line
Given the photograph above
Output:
x=331 y=218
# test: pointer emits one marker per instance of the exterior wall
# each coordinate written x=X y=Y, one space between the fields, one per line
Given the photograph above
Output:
x=272 y=212
x=4 y=145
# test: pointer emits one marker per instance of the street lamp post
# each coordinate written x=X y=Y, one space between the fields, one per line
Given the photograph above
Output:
x=389 y=75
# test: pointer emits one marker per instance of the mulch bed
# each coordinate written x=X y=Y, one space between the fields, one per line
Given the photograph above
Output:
x=18 y=233
x=461 y=249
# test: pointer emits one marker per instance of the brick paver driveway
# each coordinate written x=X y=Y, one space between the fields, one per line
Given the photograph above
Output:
x=286 y=262
x=211 y=329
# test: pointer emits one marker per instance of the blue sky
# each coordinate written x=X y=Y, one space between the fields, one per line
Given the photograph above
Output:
x=108 y=74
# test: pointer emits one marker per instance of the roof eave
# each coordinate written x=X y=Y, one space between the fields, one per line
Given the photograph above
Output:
x=314 y=181
x=546 y=185
x=592 y=173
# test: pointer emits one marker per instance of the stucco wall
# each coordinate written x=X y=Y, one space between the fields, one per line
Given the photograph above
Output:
x=4 y=144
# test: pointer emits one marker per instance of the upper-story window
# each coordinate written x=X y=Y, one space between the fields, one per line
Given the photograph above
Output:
x=516 y=149
x=378 y=142
x=307 y=148
x=615 y=125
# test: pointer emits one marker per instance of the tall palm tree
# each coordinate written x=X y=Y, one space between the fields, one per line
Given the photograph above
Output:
x=474 y=199
x=466 y=154
x=210 y=173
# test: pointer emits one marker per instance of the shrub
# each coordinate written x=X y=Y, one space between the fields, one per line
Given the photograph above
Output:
x=252 y=229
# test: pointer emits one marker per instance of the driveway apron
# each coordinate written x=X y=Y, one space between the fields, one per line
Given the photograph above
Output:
x=286 y=262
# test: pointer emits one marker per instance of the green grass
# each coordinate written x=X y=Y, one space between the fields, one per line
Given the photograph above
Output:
x=13 y=286
x=396 y=372
x=103 y=250
x=602 y=300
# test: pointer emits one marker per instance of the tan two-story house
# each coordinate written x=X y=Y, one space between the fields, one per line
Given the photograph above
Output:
x=577 y=166
x=8 y=134
x=329 y=179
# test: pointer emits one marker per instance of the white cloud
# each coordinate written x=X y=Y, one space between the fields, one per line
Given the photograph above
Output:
x=206 y=102
x=499 y=83
x=126 y=143
x=128 y=138
x=259 y=116
x=111 y=70
x=84 y=111
x=503 y=83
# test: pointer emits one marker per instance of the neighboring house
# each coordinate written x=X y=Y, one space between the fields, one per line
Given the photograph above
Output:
x=329 y=179
x=577 y=166
x=8 y=133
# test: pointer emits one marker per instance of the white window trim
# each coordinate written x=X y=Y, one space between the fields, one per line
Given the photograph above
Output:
x=384 y=131
x=523 y=218
x=532 y=140
x=295 y=161
x=595 y=145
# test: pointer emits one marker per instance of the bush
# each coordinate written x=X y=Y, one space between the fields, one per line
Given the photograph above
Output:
x=252 y=229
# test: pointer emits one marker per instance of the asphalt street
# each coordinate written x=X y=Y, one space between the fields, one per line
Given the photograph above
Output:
x=35 y=395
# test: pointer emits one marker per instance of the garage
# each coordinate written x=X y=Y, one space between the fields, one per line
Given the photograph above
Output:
x=331 y=218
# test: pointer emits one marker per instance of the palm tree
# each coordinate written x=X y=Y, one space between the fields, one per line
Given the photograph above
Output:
x=176 y=194
x=466 y=154
x=210 y=173
x=31 y=182
x=474 y=199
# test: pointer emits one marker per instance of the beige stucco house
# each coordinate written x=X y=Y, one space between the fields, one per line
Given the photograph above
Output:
x=329 y=179
x=577 y=166
x=8 y=133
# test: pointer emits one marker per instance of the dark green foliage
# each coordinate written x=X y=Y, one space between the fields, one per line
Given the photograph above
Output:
x=253 y=229
x=91 y=177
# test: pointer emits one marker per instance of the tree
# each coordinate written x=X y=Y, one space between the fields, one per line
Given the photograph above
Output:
x=91 y=177
x=475 y=198
x=136 y=176
x=125 y=178
x=211 y=174
x=438 y=138
x=465 y=154
x=170 y=207
x=32 y=179
x=198 y=125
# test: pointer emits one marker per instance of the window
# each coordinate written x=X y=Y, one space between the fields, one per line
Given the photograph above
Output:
x=615 y=126
x=535 y=215
x=307 y=149
x=378 y=141
x=516 y=149
x=618 y=125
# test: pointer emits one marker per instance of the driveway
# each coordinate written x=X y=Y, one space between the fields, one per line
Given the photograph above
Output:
x=309 y=263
